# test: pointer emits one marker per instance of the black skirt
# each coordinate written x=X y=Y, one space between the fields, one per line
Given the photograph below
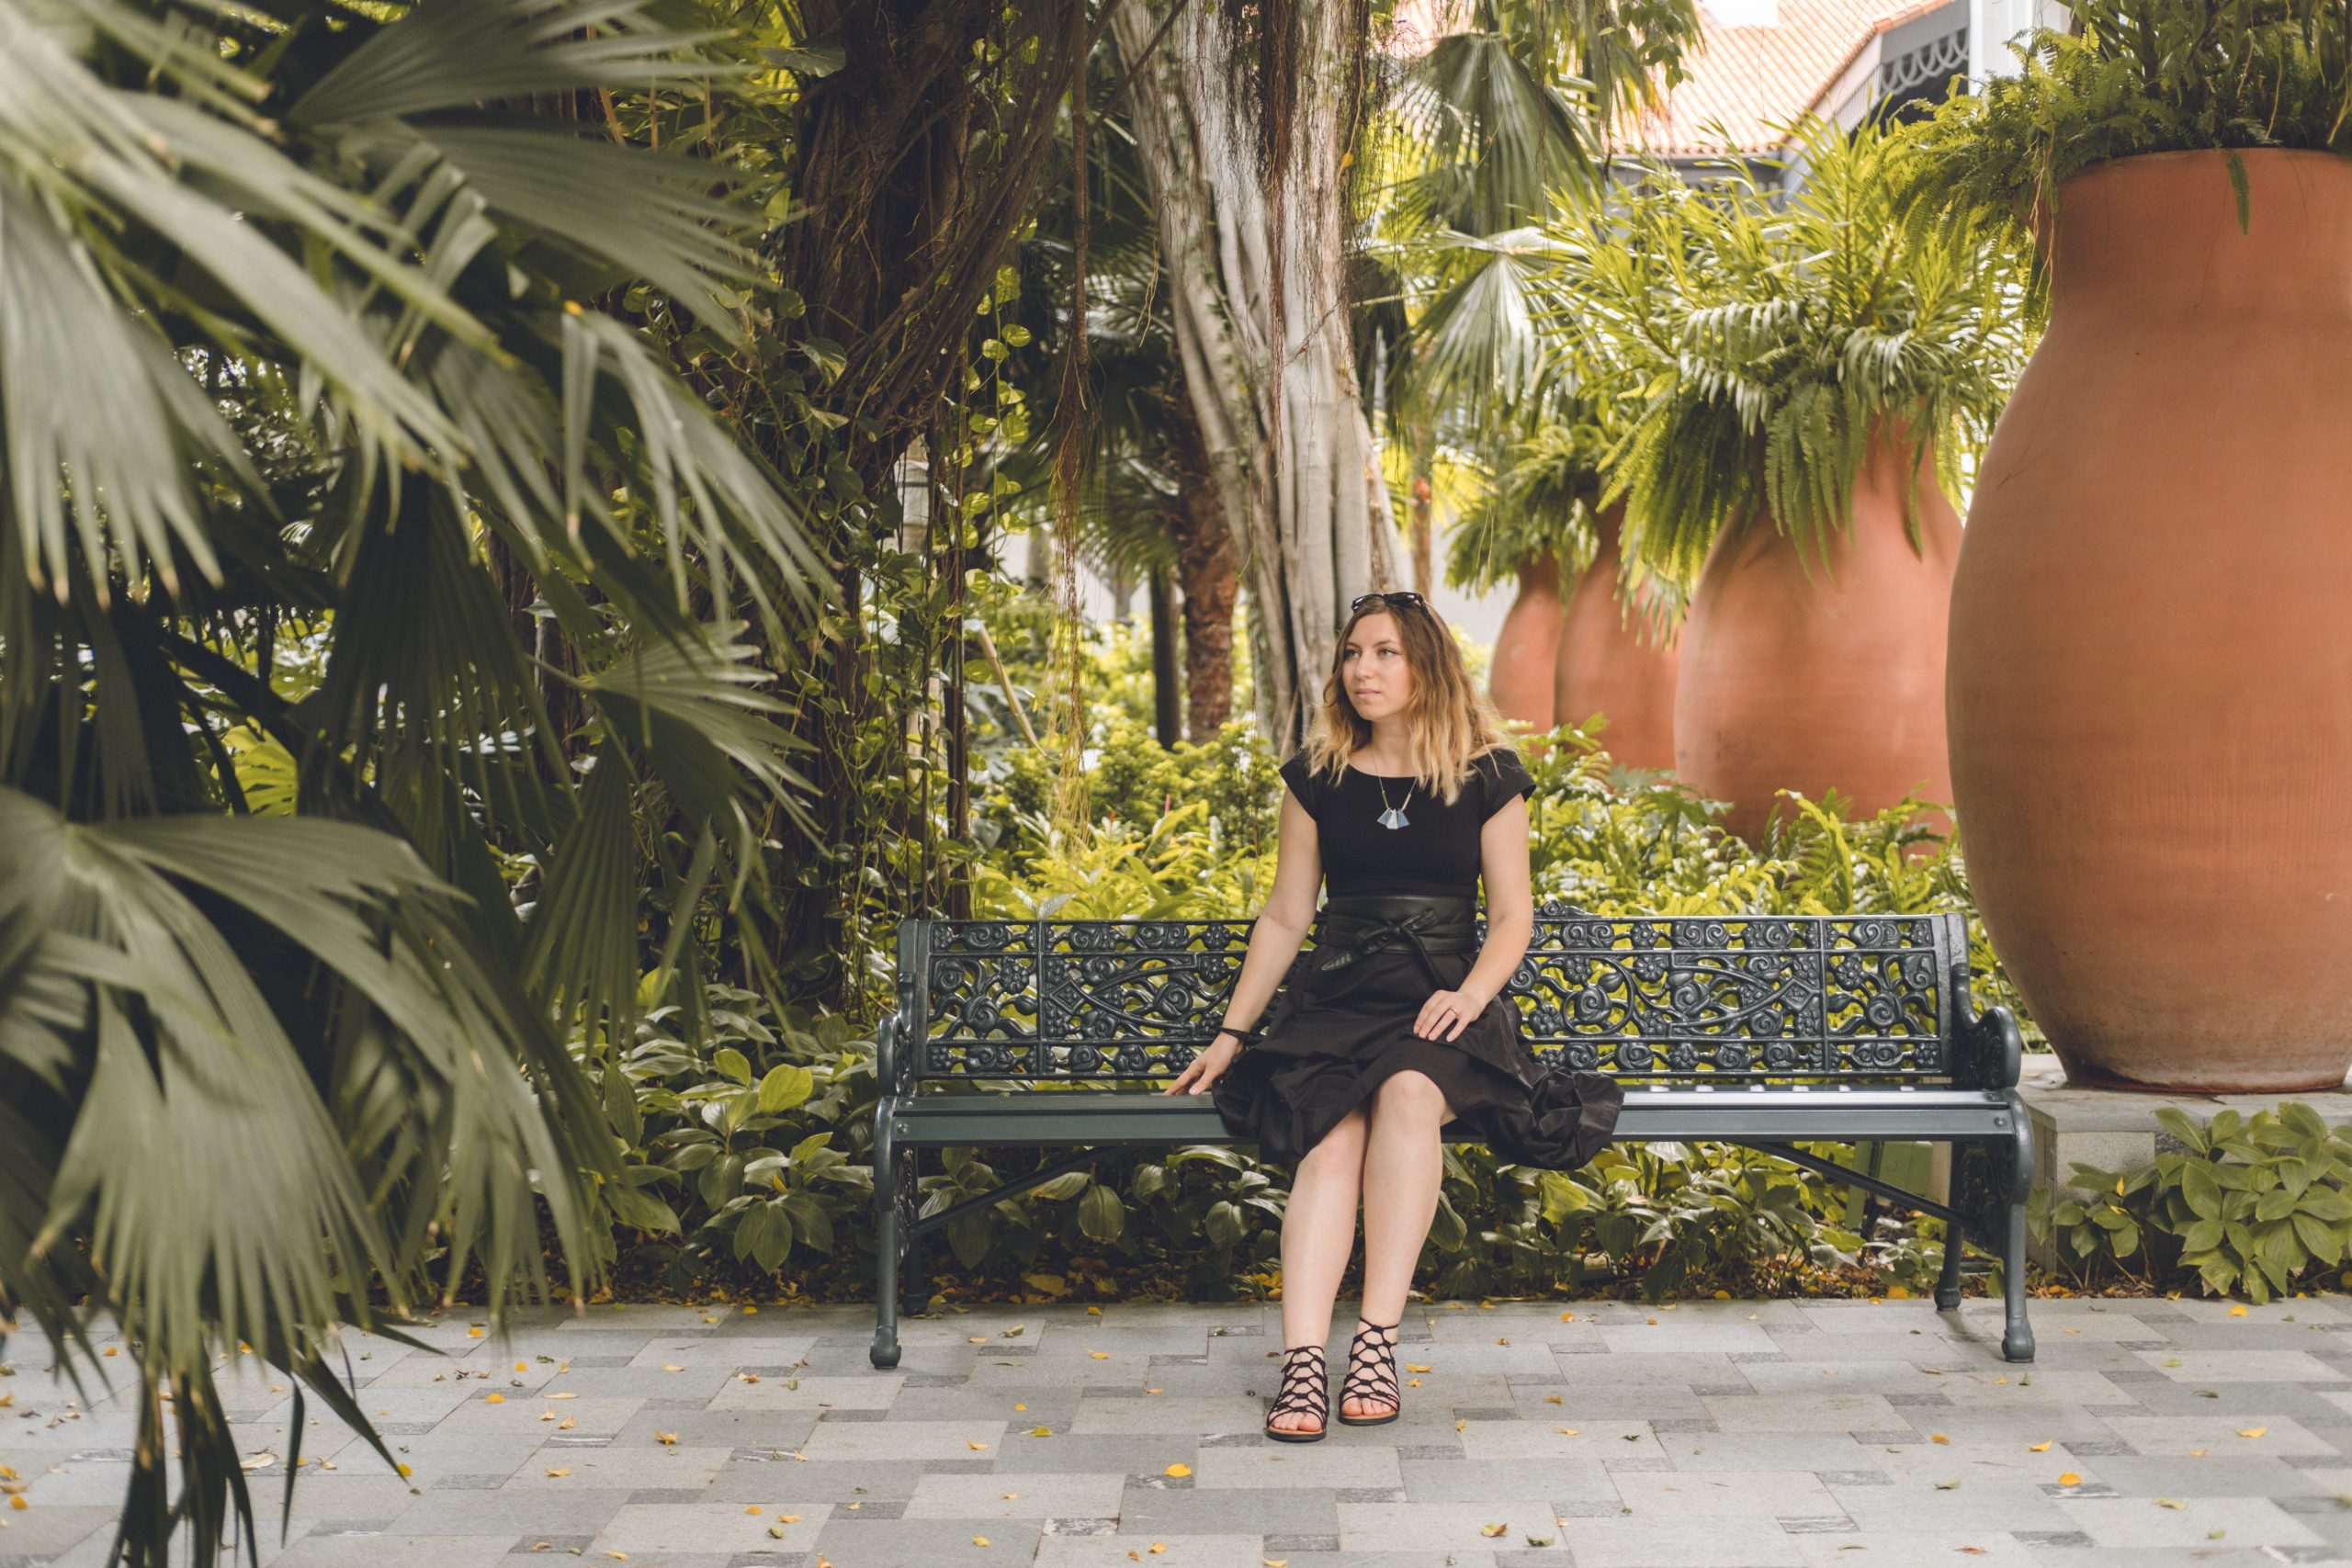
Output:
x=1321 y=1058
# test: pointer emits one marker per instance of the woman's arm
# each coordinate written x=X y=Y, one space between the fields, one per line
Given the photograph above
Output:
x=1510 y=904
x=1280 y=932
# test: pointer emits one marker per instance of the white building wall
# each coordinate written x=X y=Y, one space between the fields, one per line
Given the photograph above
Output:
x=1992 y=23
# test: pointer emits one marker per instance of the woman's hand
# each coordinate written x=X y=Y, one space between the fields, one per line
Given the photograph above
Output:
x=1447 y=1013
x=1205 y=1069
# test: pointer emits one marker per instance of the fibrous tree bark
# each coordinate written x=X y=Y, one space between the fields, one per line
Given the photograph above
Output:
x=1252 y=214
x=1207 y=571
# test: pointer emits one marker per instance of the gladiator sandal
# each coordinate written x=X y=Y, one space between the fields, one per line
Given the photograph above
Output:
x=1303 y=1392
x=1371 y=1373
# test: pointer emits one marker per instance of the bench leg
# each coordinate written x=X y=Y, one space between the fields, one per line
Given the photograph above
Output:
x=1948 y=1282
x=915 y=1279
x=2017 y=1338
x=886 y=1246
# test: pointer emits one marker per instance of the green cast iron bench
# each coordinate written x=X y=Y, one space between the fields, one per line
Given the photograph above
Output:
x=1758 y=1030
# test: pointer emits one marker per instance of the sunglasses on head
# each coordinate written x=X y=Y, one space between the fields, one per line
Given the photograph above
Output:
x=1396 y=600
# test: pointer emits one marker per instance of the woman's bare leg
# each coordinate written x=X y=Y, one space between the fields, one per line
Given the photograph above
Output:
x=1318 y=1236
x=1402 y=1164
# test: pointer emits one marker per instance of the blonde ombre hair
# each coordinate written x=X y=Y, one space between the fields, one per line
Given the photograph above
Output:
x=1449 y=723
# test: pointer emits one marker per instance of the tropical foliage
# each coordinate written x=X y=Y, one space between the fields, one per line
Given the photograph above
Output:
x=374 y=699
x=2139 y=76
x=2257 y=1204
x=1754 y=343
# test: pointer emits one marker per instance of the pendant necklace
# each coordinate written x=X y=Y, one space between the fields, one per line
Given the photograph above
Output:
x=1393 y=816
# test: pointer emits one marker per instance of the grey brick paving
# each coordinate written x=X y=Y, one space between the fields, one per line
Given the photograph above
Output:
x=1776 y=1434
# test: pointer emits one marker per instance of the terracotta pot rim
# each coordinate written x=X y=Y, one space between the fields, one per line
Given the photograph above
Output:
x=2108 y=167
x=2037 y=215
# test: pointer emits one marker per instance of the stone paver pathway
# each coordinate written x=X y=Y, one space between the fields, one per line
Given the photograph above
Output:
x=1709 y=1435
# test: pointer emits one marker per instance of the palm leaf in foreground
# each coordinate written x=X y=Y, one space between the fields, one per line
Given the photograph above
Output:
x=253 y=1030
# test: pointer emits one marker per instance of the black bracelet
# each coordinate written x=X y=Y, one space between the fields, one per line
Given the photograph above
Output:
x=1246 y=1036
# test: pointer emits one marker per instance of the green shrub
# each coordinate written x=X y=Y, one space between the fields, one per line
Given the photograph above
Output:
x=2257 y=1202
x=737 y=1145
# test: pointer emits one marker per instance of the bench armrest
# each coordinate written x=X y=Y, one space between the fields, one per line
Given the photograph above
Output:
x=894 y=1056
x=1987 y=1049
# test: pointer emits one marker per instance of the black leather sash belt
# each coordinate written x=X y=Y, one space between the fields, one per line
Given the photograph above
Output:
x=1357 y=925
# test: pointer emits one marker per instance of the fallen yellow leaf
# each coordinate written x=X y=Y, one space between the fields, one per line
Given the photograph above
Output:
x=1411 y=1367
x=2070 y=1479
x=1492 y=1530
x=560 y=1474
x=567 y=1424
x=969 y=1444
x=2237 y=1312
x=1041 y=1431
x=1565 y=1431
x=980 y=1540
x=493 y=1399
x=1937 y=1438
x=2252 y=1431
x=1177 y=1470
x=473 y=1333
x=667 y=1367
x=2040 y=1448
x=2170 y=1503
x=666 y=1440
x=563 y=1396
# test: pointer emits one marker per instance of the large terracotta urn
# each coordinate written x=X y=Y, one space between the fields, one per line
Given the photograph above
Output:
x=1519 y=678
x=2150 y=670
x=1832 y=679
x=1607 y=666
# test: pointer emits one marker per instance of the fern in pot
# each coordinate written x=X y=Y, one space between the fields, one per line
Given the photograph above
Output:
x=2151 y=684
x=1801 y=379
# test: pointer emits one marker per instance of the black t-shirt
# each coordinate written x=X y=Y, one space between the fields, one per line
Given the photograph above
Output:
x=1436 y=850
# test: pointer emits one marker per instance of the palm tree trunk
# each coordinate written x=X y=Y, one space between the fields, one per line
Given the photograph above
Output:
x=1289 y=451
x=1422 y=434
x=1166 y=699
x=1207 y=571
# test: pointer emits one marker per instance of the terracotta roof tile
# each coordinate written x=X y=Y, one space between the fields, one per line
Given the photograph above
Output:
x=1750 y=77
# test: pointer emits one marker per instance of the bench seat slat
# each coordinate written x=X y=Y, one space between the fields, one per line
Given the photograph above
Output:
x=1060 y=1117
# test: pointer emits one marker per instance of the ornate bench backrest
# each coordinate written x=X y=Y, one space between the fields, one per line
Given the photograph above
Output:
x=1707 y=999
